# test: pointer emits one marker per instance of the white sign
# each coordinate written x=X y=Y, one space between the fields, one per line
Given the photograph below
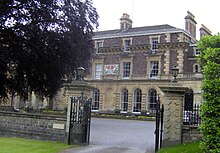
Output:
x=58 y=126
x=111 y=69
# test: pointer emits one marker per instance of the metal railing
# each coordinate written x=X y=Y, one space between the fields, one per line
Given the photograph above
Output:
x=192 y=116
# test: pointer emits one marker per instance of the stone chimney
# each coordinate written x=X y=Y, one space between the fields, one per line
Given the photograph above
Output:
x=204 y=31
x=126 y=22
x=190 y=24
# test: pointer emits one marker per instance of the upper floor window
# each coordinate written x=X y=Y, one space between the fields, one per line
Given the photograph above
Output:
x=196 y=68
x=98 y=45
x=126 y=69
x=154 y=69
x=154 y=44
x=98 y=71
x=196 y=52
x=127 y=43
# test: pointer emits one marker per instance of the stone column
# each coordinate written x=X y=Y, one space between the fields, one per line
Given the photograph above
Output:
x=173 y=113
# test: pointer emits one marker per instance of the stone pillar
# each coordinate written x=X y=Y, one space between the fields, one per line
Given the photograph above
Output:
x=173 y=114
x=167 y=62
x=76 y=88
x=180 y=60
x=34 y=101
x=130 y=103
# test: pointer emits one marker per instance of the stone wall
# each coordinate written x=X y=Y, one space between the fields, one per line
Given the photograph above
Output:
x=33 y=126
x=190 y=134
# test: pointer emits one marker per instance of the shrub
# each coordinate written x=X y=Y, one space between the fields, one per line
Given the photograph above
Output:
x=117 y=111
x=210 y=109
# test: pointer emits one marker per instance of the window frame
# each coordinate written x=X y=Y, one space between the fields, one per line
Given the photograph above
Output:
x=95 y=100
x=98 y=45
x=152 y=100
x=137 y=100
x=98 y=73
x=196 y=52
x=152 y=68
x=126 y=47
x=154 y=45
x=124 y=101
x=196 y=70
x=125 y=71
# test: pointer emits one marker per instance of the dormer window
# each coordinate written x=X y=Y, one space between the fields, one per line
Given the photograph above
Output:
x=98 y=45
x=127 y=43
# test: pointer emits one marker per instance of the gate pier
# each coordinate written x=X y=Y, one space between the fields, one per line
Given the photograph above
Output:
x=78 y=112
x=173 y=114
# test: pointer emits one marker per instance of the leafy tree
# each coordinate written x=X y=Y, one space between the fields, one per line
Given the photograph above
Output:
x=41 y=41
x=210 y=111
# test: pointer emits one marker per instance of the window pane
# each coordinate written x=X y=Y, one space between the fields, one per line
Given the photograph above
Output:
x=152 y=100
x=99 y=44
x=95 y=99
x=196 y=69
x=127 y=44
x=137 y=100
x=124 y=100
x=154 y=69
x=126 y=69
x=98 y=71
x=154 y=44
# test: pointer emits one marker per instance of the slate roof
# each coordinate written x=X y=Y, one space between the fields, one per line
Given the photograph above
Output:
x=146 y=30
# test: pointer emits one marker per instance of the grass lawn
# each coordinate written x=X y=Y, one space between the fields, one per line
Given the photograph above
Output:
x=19 y=145
x=183 y=148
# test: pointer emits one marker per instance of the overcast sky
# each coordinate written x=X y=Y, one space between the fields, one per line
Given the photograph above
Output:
x=156 y=12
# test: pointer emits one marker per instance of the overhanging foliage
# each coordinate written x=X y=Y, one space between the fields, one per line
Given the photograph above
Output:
x=41 y=41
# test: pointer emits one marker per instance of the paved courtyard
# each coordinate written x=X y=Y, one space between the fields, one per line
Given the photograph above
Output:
x=119 y=136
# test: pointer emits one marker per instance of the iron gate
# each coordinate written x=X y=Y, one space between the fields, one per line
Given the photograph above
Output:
x=159 y=125
x=80 y=118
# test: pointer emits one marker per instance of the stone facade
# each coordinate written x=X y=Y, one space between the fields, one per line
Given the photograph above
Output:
x=150 y=54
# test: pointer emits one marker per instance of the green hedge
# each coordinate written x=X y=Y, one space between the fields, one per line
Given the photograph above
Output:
x=210 y=110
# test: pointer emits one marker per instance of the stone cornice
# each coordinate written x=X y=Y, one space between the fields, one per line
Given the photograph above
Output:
x=175 y=88
x=141 y=47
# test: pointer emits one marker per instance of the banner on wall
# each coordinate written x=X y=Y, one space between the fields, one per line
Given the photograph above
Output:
x=111 y=69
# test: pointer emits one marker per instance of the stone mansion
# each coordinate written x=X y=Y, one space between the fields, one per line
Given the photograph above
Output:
x=130 y=64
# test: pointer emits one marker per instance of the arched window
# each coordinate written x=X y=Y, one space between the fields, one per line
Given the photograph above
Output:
x=124 y=100
x=95 y=99
x=196 y=68
x=152 y=100
x=137 y=101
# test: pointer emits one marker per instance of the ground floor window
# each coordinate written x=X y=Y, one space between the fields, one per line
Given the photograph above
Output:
x=152 y=100
x=137 y=101
x=188 y=101
x=95 y=99
x=124 y=100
